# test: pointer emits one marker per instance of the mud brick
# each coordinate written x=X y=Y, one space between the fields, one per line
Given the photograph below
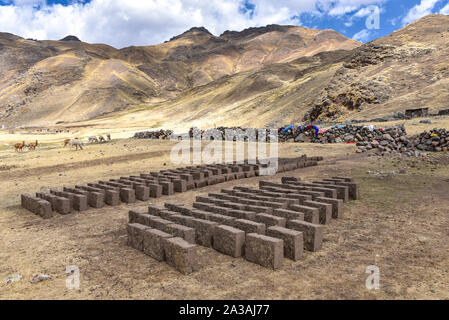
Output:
x=325 y=210
x=79 y=202
x=159 y=223
x=235 y=206
x=37 y=206
x=236 y=169
x=142 y=192
x=240 y=214
x=265 y=251
x=288 y=214
x=200 y=183
x=229 y=176
x=167 y=188
x=229 y=240
x=155 y=190
x=337 y=206
x=136 y=235
x=240 y=175
x=95 y=199
x=167 y=215
x=153 y=243
x=197 y=175
x=133 y=216
x=145 y=218
x=293 y=241
x=63 y=205
x=202 y=206
x=211 y=181
x=221 y=219
x=270 y=220
x=221 y=178
x=199 y=214
x=259 y=209
x=250 y=174
x=342 y=191
x=155 y=210
x=311 y=214
x=180 y=185
x=249 y=226
x=314 y=194
x=183 y=220
x=274 y=205
x=127 y=195
x=345 y=179
x=177 y=230
x=287 y=179
x=215 y=171
x=204 y=231
x=353 y=189
x=112 y=197
x=186 y=177
x=181 y=255
x=312 y=233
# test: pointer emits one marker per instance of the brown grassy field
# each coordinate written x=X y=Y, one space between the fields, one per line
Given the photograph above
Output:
x=400 y=224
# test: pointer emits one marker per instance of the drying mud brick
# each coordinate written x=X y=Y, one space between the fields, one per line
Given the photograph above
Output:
x=293 y=241
x=265 y=251
x=240 y=214
x=127 y=195
x=199 y=214
x=37 y=206
x=63 y=205
x=142 y=192
x=153 y=243
x=229 y=240
x=354 y=189
x=222 y=219
x=135 y=235
x=288 y=214
x=249 y=226
x=184 y=220
x=180 y=185
x=311 y=214
x=159 y=223
x=180 y=254
x=167 y=188
x=155 y=210
x=112 y=197
x=337 y=206
x=177 y=230
x=167 y=215
x=204 y=231
x=155 y=190
x=342 y=191
x=312 y=233
x=325 y=210
x=270 y=220
x=346 y=179
x=200 y=183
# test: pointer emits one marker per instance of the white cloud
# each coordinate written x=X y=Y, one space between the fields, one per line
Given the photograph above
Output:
x=362 y=36
x=420 y=10
x=124 y=23
x=445 y=10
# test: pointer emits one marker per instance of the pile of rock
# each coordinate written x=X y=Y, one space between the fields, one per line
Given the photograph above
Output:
x=437 y=140
x=161 y=134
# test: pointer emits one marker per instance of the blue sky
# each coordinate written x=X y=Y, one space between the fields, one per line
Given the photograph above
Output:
x=123 y=23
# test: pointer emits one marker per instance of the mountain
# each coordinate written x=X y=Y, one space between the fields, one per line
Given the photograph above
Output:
x=57 y=82
x=270 y=75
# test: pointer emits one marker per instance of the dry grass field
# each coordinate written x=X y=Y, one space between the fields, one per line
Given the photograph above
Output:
x=400 y=224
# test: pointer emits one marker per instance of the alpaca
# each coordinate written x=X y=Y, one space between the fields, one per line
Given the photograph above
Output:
x=19 y=146
x=33 y=145
x=77 y=143
x=66 y=142
x=93 y=139
x=101 y=139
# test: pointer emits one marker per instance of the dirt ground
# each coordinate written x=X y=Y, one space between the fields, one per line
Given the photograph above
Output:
x=401 y=225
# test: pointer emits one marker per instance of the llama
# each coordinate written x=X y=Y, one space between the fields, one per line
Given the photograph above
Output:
x=33 y=145
x=77 y=143
x=101 y=139
x=93 y=139
x=19 y=146
x=108 y=137
x=66 y=142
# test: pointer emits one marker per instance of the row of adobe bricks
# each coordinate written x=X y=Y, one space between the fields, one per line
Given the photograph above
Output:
x=145 y=186
x=263 y=225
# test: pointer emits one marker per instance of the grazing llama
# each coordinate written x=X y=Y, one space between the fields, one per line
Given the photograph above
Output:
x=19 y=146
x=77 y=143
x=33 y=145
x=93 y=139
